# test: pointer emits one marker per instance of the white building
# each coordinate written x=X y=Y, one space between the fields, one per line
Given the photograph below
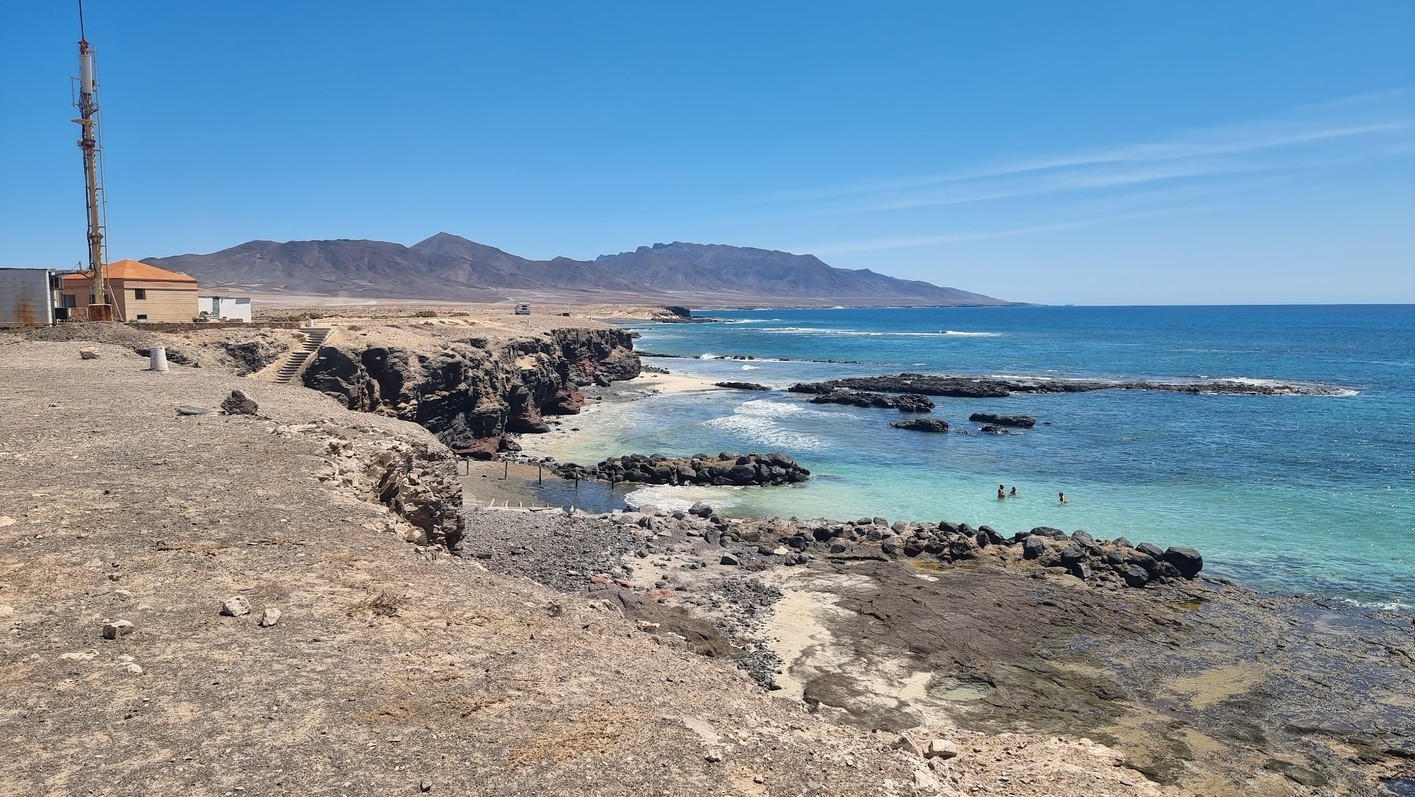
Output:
x=224 y=308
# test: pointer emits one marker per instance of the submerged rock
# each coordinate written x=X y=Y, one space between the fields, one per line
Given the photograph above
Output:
x=922 y=425
x=1020 y=421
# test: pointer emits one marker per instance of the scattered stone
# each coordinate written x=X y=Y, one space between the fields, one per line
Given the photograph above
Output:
x=700 y=509
x=192 y=409
x=941 y=748
x=741 y=385
x=235 y=607
x=88 y=355
x=270 y=616
x=907 y=745
x=117 y=628
x=132 y=669
x=6 y=520
x=238 y=403
x=730 y=560
x=425 y=786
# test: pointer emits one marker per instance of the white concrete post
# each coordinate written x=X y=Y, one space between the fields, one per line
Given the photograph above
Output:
x=157 y=358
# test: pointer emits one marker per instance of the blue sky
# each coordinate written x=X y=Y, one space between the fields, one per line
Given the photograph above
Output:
x=1087 y=153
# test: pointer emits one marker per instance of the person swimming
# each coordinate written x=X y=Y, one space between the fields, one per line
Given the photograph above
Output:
x=1061 y=498
x=1013 y=492
x=1001 y=492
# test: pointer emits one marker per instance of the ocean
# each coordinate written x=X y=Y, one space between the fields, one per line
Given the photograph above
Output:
x=1309 y=494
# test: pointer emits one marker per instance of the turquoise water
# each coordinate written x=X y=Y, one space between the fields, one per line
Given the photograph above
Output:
x=1305 y=494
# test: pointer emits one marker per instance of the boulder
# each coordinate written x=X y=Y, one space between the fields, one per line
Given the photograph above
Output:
x=117 y=628
x=1135 y=576
x=741 y=386
x=1186 y=560
x=1034 y=547
x=235 y=606
x=1150 y=549
x=238 y=403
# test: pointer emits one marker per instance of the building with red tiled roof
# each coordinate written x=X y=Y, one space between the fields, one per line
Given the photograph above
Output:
x=137 y=291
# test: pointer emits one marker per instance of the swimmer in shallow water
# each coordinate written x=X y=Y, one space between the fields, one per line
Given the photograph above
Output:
x=1061 y=498
x=1001 y=492
x=1012 y=493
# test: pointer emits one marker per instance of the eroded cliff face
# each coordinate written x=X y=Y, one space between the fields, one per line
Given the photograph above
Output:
x=471 y=391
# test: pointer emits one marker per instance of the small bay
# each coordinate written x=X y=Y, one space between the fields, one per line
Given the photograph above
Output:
x=1311 y=494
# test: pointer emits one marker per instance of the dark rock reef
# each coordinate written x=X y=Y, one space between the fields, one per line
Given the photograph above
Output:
x=725 y=469
x=993 y=387
x=1019 y=421
x=741 y=386
x=922 y=425
x=470 y=393
x=907 y=402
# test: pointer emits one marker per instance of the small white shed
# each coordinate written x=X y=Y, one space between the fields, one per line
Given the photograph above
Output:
x=224 y=308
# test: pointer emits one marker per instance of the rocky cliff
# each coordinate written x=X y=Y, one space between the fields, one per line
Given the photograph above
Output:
x=472 y=391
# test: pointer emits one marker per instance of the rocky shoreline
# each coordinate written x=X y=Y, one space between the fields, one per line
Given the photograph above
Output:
x=932 y=628
x=1195 y=680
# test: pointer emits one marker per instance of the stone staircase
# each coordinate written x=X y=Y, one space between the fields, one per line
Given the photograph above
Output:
x=295 y=361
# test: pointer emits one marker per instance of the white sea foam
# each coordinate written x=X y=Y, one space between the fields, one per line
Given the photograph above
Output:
x=751 y=368
x=768 y=408
x=759 y=422
x=1385 y=606
x=672 y=498
x=707 y=355
x=847 y=333
x=972 y=334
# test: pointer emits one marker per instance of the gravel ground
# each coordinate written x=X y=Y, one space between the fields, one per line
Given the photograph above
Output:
x=393 y=667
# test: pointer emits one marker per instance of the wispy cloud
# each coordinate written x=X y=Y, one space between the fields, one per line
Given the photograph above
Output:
x=1364 y=126
x=912 y=241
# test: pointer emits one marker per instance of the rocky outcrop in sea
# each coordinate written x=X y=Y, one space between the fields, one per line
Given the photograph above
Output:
x=907 y=402
x=995 y=387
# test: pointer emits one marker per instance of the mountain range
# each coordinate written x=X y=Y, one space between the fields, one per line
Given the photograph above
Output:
x=451 y=268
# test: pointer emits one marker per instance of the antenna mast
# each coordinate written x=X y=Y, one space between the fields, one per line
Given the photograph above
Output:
x=87 y=103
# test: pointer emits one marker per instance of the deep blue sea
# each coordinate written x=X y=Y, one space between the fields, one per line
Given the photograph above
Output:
x=1292 y=494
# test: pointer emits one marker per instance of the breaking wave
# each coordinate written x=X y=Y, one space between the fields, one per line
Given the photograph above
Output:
x=759 y=421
